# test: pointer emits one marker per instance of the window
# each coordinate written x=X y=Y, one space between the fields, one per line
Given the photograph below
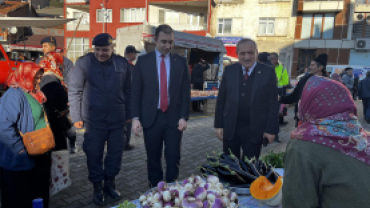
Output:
x=193 y=19
x=85 y=19
x=172 y=17
x=78 y=47
x=266 y=26
x=360 y=1
x=161 y=16
x=224 y=26
x=100 y=15
x=318 y=26
x=133 y=15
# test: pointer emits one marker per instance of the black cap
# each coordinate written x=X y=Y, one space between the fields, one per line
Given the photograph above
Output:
x=265 y=58
x=322 y=59
x=102 y=39
x=131 y=49
x=48 y=40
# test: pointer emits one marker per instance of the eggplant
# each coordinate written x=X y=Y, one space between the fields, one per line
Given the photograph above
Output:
x=244 y=166
x=241 y=185
x=254 y=170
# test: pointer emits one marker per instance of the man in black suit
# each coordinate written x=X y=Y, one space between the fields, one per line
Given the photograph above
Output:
x=161 y=103
x=197 y=80
x=246 y=109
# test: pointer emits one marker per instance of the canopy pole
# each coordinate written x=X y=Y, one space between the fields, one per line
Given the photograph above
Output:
x=70 y=42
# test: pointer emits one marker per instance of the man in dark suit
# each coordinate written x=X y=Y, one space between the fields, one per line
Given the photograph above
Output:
x=246 y=109
x=161 y=103
x=197 y=80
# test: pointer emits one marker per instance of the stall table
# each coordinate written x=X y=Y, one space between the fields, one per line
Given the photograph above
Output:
x=209 y=104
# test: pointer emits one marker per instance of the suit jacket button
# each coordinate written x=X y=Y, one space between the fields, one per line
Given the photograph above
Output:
x=243 y=94
x=244 y=83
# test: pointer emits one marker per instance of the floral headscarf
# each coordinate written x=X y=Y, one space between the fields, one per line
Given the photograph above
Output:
x=329 y=117
x=23 y=78
x=52 y=62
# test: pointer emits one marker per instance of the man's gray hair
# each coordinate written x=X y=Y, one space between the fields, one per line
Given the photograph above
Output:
x=275 y=54
x=245 y=40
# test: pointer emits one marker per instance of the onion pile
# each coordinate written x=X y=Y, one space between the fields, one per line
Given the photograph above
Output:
x=192 y=193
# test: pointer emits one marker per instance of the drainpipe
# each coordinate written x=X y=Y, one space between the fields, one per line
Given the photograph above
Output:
x=29 y=8
x=350 y=22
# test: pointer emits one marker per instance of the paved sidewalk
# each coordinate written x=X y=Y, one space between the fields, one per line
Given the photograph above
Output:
x=198 y=140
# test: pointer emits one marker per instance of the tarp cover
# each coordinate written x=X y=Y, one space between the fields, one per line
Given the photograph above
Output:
x=182 y=39
x=7 y=22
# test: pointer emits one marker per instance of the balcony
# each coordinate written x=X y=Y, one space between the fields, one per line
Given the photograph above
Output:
x=361 y=6
x=185 y=27
x=77 y=1
x=321 y=6
x=229 y=1
x=81 y=27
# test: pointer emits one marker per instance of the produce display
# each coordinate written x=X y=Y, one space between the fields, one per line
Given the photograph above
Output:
x=267 y=193
x=197 y=93
x=194 y=192
x=237 y=173
x=275 y=159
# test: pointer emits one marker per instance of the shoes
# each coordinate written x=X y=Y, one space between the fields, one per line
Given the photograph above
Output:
x=283 y=123
x=110 y=189
x=277 y=139
x=129 y=147
x=99 y=194
x=72 y=147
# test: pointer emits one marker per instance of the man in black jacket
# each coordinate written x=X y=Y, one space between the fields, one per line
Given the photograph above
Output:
x=197 y=79
x=161 y=104
x=364 y=95
x=246 y=110
x=317 y=67
x=130 y=55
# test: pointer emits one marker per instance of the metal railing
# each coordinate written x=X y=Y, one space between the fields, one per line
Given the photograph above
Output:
x=82 y=27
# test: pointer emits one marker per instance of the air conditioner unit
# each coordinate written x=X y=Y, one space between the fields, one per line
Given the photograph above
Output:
x=362 y=44
x=358 y=17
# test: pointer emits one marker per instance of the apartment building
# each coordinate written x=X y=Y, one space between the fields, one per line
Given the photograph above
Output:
x=107 y=16
x=271 y=23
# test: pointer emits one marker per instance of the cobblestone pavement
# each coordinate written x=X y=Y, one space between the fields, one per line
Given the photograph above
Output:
x=198 y=140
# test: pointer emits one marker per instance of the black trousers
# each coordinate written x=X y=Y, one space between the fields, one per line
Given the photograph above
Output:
x=242 y=140
x=158 y=134
x=93 y=146
x=19 y=188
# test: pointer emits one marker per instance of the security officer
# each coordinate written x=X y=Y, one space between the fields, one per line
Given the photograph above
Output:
x=99 y=95
x=49 y=44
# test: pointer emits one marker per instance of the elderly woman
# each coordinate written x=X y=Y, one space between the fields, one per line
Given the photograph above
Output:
x=336 y=77
x=327 y=162
x=23 y=177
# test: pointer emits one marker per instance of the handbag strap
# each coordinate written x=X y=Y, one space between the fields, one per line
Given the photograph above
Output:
x=46 y=122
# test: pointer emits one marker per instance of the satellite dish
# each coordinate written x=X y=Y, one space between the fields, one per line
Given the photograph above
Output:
x=13 y=30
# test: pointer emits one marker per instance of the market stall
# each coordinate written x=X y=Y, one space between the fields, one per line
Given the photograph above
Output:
x=226 y=182
x=209 y=99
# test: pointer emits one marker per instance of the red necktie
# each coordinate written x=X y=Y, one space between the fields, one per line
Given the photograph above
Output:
x=246 y=75
x=164 y=96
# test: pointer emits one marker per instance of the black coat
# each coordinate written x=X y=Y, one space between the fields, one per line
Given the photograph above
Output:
x=364 y=88
x=57 y=101
x=263 y=111
x=145 y=90
x=197 y=74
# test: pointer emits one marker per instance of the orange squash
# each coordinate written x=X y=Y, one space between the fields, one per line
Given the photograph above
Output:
x=267 y=193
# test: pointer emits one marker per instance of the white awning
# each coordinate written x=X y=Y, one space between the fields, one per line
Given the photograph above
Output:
x=7 y=22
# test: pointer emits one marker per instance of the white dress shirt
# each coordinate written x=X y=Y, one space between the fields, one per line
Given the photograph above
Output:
x=250 y=69
x=168 y=66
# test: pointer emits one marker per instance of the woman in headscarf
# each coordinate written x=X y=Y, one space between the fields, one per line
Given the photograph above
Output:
x=23 y=177
x=336 y=77
x=52 y=85
x=327 y=162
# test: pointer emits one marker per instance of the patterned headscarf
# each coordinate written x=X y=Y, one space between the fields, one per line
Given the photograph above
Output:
x=52 y=62
x=336 y=77
x=23 y=78
x=329 y=117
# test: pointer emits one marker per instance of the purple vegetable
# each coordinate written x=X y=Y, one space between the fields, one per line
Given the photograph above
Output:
x=166 y=196
x=162 y=186
x=174 y=194
x=191 y=202
x=200 y=193
x=208 y=186
x=186 y=181
x=146 y=206
x=184 y=195
x=171 y=204
x=218 y=203
x=213 y=192
x=206 y=204
x=213 y=179
x=233 y=196
x=197 y=179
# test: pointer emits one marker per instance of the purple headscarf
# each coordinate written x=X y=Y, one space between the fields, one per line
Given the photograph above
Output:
x=336 y=77
x=329 y=117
